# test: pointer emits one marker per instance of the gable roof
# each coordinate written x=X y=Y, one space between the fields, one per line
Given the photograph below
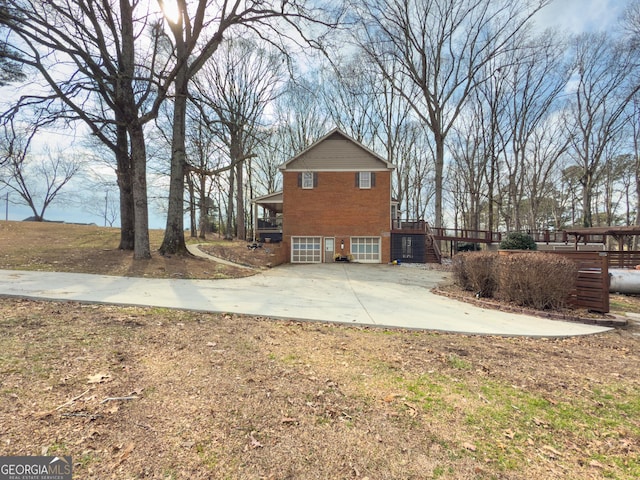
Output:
x=336 y=151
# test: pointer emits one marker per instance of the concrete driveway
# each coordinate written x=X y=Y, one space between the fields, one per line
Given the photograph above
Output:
x=354 y=294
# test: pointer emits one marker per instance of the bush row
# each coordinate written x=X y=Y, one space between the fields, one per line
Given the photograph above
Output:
x=537 y=280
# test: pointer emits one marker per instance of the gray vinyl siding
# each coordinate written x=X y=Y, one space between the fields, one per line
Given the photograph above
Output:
x=335 y=154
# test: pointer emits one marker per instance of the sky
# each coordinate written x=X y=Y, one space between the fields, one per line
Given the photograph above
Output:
x=570 y=16
x=576 y=16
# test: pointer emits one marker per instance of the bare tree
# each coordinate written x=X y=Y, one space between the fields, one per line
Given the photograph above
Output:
x=492 y=96
x=631 y=22
x=271 y=151
x=537 y=142
x=236 y=87
x=10 y=60
x=205 y=156
x=605 y=73
x=300 y=114
x=468 y=174
x=635 y=129
x=37 y=181
x=99 y=61
x=197 y=32
x=531 y=86
x=101 y=199
x=615 y=173
x=298 y=118
x=546 y=147
x=442 y=47
x=349 y=93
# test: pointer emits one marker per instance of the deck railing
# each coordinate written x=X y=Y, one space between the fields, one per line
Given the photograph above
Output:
x=271 y=229
x=548 y=236
x=466 y=235
x=414 y=225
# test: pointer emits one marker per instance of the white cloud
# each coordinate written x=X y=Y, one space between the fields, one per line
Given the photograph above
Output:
x=576 y=16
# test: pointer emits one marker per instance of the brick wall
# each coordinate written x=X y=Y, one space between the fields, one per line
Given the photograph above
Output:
x=337 y=208
x=278 y=253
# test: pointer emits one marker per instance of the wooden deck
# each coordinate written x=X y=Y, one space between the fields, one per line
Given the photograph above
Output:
x=449 y=234
x=583 y=236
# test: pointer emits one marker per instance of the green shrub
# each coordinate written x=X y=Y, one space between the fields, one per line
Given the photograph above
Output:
x=537 y=280
x=518 y=241
x=476 y=272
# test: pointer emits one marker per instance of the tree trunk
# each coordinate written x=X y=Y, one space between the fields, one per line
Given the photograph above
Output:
x=203 y=207
x=637 y=222
x=439 y=169
x=240 y=220
x=587 y=192
x=124 y=176
x=192 y=206
x=125 y=99
x=229 y=230
x=141 y=249
x=173 y=242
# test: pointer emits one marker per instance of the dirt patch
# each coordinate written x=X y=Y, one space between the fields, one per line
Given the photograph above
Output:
x=257 y=255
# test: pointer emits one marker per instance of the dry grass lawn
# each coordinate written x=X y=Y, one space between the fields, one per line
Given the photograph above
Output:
x=135 y=393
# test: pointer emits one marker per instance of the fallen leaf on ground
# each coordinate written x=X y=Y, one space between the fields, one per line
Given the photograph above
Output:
x=255 y=443
x=126 y=451
x=98 y=378
x=552 y=450
x=470 y=446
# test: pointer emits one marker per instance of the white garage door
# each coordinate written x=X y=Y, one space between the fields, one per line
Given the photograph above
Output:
x=306 y=250
x=366 y=249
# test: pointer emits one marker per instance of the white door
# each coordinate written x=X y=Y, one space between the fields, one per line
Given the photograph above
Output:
x=329 y=249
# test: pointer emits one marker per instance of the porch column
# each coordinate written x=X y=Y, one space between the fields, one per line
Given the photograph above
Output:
x=255 y=221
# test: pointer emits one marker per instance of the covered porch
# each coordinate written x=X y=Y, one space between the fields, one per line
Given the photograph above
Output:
x=267 y=214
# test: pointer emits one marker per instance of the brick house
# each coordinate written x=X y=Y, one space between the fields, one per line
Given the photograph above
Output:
x=335 y=202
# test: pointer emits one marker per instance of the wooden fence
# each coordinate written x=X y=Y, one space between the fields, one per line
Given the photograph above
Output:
x=624 y=259
x=592 y=285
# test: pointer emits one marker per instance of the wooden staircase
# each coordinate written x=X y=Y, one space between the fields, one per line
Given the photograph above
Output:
x=432 y=250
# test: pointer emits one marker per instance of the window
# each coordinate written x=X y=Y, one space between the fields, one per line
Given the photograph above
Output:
x=306 y=250
x=407 y=247
x=366 y=249
x=308 y=180
x=365 y=180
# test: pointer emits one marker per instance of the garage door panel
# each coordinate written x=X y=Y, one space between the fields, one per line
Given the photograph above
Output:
x=366 y=249
x=306 y=250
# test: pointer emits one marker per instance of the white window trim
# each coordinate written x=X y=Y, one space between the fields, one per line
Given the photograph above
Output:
x=307 y=180
x=364 y=180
